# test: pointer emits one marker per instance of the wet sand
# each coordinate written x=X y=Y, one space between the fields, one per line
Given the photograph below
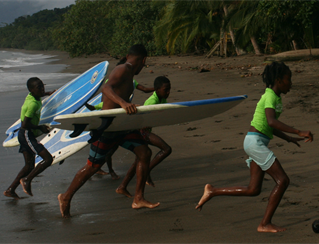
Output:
x=205 y=151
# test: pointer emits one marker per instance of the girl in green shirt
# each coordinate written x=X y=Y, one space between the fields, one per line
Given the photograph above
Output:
x=264 y=125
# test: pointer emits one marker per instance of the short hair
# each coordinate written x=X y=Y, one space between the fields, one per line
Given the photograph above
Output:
x=138 y=50
x=159 y=81
x=31 y=82
x=274 y=71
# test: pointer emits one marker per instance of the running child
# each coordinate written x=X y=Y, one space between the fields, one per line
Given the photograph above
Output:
x=162 y=87
x=29 y=146
x=264 y=125
x=99 y=106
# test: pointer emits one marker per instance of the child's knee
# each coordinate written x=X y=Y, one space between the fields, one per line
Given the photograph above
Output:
x=284 y=181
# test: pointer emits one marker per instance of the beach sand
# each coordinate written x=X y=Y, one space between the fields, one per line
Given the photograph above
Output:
x=205 y=151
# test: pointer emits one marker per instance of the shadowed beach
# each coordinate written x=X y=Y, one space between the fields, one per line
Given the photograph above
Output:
x=204 y=151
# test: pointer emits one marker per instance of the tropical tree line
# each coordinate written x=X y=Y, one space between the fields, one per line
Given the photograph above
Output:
x=168 y=27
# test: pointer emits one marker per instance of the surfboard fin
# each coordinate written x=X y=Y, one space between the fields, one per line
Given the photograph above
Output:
x=95 y=134
x=78 y=129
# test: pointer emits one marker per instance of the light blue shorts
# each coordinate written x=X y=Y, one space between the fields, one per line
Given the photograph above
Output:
x=256 y=147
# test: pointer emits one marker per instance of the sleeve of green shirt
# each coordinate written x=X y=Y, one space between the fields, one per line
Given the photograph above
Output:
x=150 y=101
x=270 y=102
x=99 y=106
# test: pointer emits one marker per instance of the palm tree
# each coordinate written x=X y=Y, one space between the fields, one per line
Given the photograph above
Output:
x=185 y=22
x=246 y=19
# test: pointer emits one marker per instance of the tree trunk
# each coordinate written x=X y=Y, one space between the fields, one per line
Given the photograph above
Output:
x=232 y=35
x=294 y=43
x=255 y=45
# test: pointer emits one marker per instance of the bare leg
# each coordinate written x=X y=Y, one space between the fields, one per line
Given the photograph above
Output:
x=122 y=189
x=80 y=178
x=165 y=151
x=143 y=154
x=111 y=171
x=26 y=181
x=253 y=189
x=28 y=167
x=282 y=183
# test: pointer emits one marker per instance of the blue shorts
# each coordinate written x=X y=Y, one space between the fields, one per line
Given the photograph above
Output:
x=110 y=141
x=256 y=147
x=28 y=142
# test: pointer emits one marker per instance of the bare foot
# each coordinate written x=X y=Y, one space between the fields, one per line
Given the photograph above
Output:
x=208 y=190
x=149 y=181
x=123 y=191
x=114 y=176
x=144 y=204
x=270 y=228
x=101 y=172
x=26 y=186
x=64 y=206
x=9 y=193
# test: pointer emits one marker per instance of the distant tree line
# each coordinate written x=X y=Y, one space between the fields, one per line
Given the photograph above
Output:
x=168 y=27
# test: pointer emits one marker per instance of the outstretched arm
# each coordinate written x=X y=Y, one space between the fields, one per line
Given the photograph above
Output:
x=280 y=127
x=145 y=89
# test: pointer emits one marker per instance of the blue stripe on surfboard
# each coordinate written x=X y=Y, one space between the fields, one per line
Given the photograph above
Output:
x=210 y=101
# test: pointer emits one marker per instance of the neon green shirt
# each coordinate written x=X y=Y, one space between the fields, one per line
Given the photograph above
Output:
x=154 y=100
x=31 y=108
x=100 y=105
x=268 y=100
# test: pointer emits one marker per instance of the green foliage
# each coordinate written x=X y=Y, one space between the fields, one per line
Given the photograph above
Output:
x=133 y=23
x=32 y=32
x=188 y=25
x=86 y=29
x=172 y=26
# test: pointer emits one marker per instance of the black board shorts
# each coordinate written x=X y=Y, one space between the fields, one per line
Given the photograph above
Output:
x=28 y=142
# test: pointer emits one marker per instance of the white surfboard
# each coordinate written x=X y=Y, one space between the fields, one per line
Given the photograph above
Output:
x=68 y=99
x=147 y=116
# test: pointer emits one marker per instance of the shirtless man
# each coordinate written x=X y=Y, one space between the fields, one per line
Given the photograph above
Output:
x=116 y=94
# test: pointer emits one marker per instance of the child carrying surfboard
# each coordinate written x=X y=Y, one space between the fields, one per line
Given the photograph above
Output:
x=29 y=146
x=264 y=125
x=162 y=86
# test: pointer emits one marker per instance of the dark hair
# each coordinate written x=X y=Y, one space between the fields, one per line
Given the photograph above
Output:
x=122 y=61
x=274 y=71
x=159 y=81
x=138 y=50
x=31 y=82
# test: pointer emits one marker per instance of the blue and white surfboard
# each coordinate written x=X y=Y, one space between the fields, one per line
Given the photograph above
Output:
x=61 y=145
x=66 y=100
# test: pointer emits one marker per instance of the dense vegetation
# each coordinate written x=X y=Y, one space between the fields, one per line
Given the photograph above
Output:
x=92 y=26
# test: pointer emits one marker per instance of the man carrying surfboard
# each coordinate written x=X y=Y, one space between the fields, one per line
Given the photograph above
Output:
x=99 y=106
x=116 y=93
x=29 y=146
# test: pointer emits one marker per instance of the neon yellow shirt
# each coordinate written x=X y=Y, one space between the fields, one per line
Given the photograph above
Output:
x=268 y=100
x=31 y=108
x=154 y=100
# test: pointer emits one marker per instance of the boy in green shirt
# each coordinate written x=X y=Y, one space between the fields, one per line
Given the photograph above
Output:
x=162 y=88
x=29 y=146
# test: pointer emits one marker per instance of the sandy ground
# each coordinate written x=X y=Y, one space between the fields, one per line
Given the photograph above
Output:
x=205 y=151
